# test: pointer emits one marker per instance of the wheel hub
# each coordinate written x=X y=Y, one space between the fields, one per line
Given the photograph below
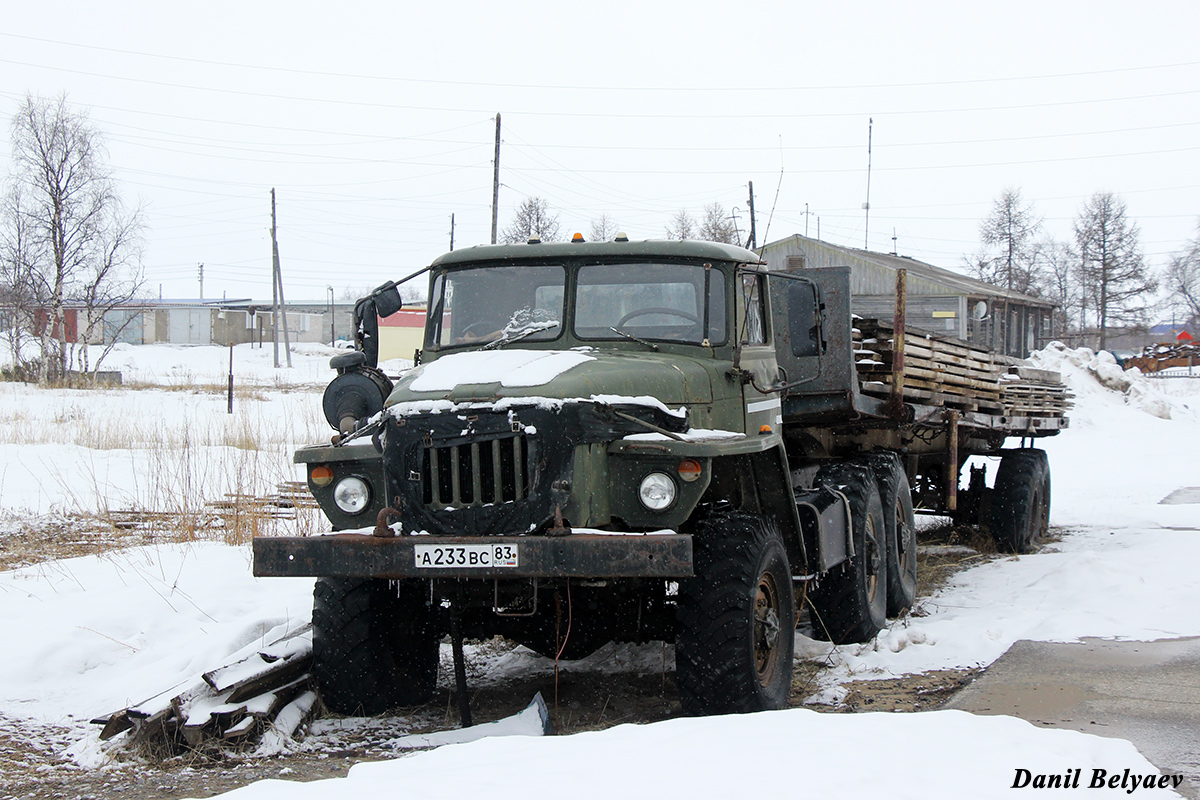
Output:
x=766 y=626
x=874 y=558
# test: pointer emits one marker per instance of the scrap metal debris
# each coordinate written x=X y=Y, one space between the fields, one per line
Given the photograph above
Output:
x=268 y=694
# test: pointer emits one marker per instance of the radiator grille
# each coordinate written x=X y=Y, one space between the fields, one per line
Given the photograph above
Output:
x=493 y=471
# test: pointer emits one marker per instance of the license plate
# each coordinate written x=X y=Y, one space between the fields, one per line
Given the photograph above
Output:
x=433 y=556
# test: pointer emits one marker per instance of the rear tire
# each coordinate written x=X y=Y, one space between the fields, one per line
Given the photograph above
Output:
x=900 y=532
x=1020 y=517
x=850 y=603
x=375 y=645
x=736 y=619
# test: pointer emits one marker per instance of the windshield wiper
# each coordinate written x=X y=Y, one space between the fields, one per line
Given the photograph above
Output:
x=633 y=338
x=519 y=335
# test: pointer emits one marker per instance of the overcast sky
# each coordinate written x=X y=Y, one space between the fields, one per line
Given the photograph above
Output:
x=374 y=122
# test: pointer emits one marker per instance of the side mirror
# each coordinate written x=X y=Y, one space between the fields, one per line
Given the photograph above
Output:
x=387 y=299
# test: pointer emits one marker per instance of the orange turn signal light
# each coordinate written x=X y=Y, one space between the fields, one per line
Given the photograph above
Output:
x=321 y=476
x=689 y=469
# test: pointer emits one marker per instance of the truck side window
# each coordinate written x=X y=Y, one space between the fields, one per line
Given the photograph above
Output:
x=752 y=329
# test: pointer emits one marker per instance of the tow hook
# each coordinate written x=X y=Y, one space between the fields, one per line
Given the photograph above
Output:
x=382 y=529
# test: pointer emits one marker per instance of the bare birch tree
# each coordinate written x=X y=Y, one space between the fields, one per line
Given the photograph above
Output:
x=717 y=226
x=18 y=288
x=112 y=280
x=682 y=226
x=74 y=219
x=533 y=218
x=1183 y=278
x=604 y=228
x=1008 y=235
x=1058 y=266
x=1111 y=261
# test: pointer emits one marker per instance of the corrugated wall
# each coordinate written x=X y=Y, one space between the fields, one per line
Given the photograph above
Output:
x=932 y=306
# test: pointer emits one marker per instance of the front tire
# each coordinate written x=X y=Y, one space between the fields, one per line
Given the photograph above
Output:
x=736 y=619
x=375 y=644
x=1021 y=500
x=850 y=603
x=900 y=532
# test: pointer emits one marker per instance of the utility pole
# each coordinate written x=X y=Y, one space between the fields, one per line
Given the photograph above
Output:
x=201 y=280
x=496 y=182
x=752 y=242
x=279 y=311
x=451 y=232
x=274 y=284
x=894 y=242
x=332 y=312
x=867 y=205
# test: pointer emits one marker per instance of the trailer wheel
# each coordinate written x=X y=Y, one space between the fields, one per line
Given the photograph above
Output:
x=900 y=531
x=1020 y=515
x=736 y=619
x=850 y=603
x=374 y=644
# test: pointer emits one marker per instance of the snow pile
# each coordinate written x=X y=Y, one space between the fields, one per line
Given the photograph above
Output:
x=784 y=752
x=1088 y=372
x=101 y=633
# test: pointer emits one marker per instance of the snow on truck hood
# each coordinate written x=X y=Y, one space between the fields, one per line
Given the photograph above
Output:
x=554 y=375
x=508 y=368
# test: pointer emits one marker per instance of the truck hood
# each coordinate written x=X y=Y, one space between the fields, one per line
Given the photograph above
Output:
x=489 y=376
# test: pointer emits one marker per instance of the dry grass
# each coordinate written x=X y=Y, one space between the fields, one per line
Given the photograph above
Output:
x=154 y=465
x=946 y=549
x=32 y=540
x=921 y=692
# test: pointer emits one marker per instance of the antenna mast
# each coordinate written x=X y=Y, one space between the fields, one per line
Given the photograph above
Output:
x=867 y=205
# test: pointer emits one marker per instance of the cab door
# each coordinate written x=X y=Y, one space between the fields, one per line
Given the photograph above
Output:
x=756 y=356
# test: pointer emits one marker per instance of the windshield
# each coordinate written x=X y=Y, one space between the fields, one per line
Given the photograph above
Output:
x=649 y=301
x=496 y=304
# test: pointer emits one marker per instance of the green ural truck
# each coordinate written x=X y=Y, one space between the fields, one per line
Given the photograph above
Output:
x=636 y=441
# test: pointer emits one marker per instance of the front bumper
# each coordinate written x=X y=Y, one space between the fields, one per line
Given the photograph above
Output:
x=578 y=555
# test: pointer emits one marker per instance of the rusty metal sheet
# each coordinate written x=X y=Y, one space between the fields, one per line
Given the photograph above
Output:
x=575 y=555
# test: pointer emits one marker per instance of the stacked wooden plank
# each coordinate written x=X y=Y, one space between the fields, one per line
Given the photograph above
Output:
x=289 y=497
x=955 y=374
x=937 y=372
x=267 y=692
x=1029 y=392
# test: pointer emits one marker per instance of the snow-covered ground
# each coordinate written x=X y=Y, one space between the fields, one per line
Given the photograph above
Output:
x=102 y=450
x=98 y=633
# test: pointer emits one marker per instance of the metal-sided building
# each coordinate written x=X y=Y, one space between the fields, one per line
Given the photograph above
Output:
x=939 y=301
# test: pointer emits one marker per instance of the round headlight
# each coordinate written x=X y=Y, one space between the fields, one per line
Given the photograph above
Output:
x=352 y=495
x=657 y=491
